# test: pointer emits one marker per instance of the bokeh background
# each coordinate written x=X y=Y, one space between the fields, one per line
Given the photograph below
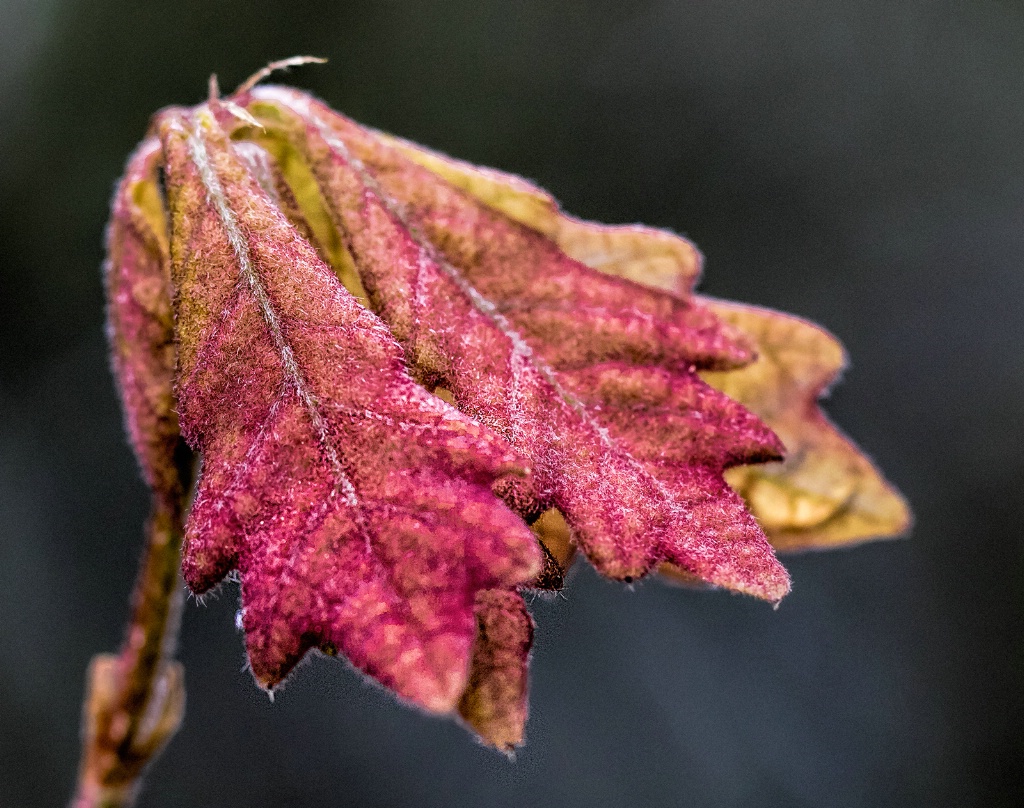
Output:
x=858 y=163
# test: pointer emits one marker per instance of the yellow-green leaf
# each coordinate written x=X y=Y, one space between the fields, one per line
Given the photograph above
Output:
x=827 y=492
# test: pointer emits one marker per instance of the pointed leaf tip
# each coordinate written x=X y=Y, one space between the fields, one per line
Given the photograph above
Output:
x=494 y=704
x=826 y=493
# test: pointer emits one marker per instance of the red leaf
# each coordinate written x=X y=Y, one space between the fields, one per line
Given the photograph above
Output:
x=139 y=321
x=826 y=493
x=356 y=506
x=591 y=377
x=361 y=511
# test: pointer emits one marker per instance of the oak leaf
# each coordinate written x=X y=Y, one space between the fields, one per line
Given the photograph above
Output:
x=417 y=387
x=591 y=377
x=826 y=492
x=355 y=505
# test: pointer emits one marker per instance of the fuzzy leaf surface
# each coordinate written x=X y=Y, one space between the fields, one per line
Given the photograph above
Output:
x=826 y=492
x=140 y=324
x=593 y=378
x=355 y=505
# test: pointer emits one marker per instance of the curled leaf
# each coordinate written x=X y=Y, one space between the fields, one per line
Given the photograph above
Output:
x=140 y=323
x=591 y=377
x=355 y=505
x=495 y=701
x=555 y=537
x=826 y=492
x=417 y=387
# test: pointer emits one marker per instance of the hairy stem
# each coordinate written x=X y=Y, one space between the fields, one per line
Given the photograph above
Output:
x=135 y=700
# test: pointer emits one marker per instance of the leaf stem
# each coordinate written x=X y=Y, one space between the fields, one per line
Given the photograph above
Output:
x=135 y=699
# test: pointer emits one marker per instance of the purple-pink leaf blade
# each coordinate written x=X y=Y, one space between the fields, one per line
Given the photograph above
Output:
x=355 y=505
x=550 y=353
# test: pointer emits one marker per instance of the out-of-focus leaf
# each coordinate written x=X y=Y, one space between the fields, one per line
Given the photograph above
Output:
x=827 y=492
x=140 y=324
x=495 y=702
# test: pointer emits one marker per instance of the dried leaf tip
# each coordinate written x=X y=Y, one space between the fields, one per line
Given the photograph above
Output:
x=214 y=101
x=273 y=67
x=213 y=93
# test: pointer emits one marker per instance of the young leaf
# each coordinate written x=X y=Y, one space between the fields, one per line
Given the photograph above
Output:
x=355 y=505
x=495 y=702
x=592 y=377
x=826 y=492
x=139 y=320
x=359 y=506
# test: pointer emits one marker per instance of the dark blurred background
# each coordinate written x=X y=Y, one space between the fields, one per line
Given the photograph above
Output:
x=858 y=163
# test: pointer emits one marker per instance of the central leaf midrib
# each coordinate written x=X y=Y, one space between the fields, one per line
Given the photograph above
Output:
x=292 y=372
